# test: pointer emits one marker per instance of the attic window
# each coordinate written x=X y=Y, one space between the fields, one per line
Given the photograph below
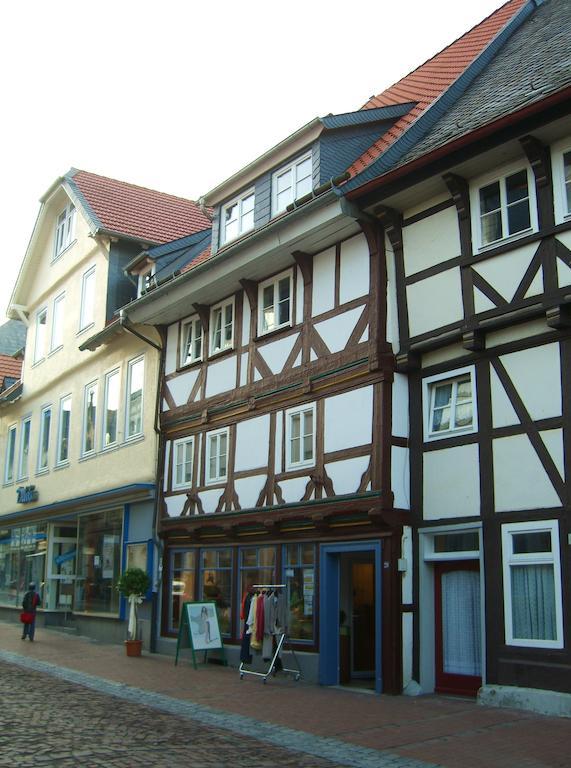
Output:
x=291 y=182
x=146 y=280
x=65 y=229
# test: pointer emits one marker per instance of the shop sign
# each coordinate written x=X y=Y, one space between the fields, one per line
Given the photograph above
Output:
x=26 y=494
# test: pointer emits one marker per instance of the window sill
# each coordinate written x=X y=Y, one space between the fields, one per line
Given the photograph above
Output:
x=85 y=329
x=37 y=363
x=54 y=350
x=213 y=484
x=281 y=330
x=190 y=366
x=87 y=456
x=506 y=240
x=221 y=353
x=62 y=465
x=134 y=439
x=41 y=472
x=450 y=434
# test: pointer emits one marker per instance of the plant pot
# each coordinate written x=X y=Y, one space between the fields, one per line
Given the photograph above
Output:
x=133 y=647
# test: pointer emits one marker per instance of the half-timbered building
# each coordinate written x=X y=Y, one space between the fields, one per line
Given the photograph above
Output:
x=284 y=431
x=477 y=225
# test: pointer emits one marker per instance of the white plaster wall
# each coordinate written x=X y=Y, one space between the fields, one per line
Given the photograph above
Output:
x=175 y=504
x=520 y=482
x=407 y=554
x=348 y=419
x=346 y=475
x=248 y=490
x=503 y=414
x=505 y=272
x=431 y=241
x=252 y=438
x=276 y=352
x=563 y=274
x=172 y=341
x=221 y=376
x=279 y=435
x=408 y=213
x=400 y=406
x=515 y=333
x=244 y=369
x=536 y=374
x=210 y=499
x=451 y=483
x=293 y=489
x=435 y=302
x=323 y=297
x=553 y=440
x=299 y=297
x=443 y=355
x=565 y=238
x=406 y=649
x=392 y=313
x=400 y=476
x=181 y=386
x=354 y=269
x=246 y=314
x=168 y=445
x=335 y=332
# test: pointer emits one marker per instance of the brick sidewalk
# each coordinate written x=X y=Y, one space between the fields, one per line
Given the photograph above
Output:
x=338 y=724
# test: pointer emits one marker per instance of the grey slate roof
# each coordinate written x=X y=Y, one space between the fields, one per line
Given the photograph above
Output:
x=12 y=337
x=534 y=63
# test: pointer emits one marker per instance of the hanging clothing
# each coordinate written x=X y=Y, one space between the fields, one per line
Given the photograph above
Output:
x=275 y=616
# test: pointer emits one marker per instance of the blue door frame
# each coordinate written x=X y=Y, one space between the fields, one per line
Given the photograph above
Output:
x=329 y=608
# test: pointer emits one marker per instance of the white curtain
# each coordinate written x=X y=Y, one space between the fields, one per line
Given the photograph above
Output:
x=461 y=636
x=533 y=602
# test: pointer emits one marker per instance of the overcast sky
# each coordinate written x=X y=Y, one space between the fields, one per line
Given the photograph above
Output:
x=177 y=96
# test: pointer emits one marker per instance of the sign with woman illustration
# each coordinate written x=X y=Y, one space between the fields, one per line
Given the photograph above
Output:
x=200 y=620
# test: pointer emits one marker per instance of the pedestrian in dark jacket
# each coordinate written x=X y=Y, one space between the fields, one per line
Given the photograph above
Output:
x=29 y=604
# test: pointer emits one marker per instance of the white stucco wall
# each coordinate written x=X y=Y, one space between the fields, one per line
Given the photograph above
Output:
x=323 y=286
x=536 y=374
x=400 y=476
x=221 y=376
x=181 y=386
x=252 y=438
x=354 y=269
x=336 y=331
x=248 y=490
x=346 y=475
x=276 y=352
x=451 y=483
x=348 y=419
x=434 y=302
x=431 y=241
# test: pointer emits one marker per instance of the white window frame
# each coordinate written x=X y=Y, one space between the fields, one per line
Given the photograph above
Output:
x=222 y=306
x=87 y=284
x=300 y=410
x=187 y=347
x=429 y=385
x=533 y=558
x=429 y=535
x=40 y=340
x=241 y=214
x=144 y=279
x=291 y=166
x=24 y=453
x=9 y=466
x=187 y=446
x=59 y=461
x=92 y=386
x=562 y=210
x=65 y=230
x=274 y=281
x=213 y=439
x=45 y=410
x=56 y=337
x=116 y=372
x=131 y=365
x=500 y=176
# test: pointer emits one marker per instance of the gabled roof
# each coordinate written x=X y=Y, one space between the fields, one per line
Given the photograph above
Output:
x=180 y=254
x=10 y=370
x=136 y=212
x=446 y=74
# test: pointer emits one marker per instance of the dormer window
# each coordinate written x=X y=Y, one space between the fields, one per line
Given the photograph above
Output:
x=65 y=229
x=237 y=216
x=291 y=182
x=146 y=279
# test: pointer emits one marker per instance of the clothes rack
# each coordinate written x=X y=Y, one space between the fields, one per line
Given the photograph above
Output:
x=280 y=643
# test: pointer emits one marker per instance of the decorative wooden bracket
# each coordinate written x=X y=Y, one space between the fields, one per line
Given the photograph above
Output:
x=539 y=159
x=203 y=313
x=391 y=221
x=305 y=262
x=474 y=340
x=407 y=362
x=559 y=316
x=459 y=189
x=251 y=291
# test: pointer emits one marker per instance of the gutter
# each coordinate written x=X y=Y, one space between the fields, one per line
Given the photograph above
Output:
x=125 y=323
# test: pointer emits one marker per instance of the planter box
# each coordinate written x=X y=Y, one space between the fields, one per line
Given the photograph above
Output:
x=133 y=647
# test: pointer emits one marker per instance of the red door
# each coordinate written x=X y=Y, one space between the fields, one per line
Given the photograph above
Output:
x=458 y=627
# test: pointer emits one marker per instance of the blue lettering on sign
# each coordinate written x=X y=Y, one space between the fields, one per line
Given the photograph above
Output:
x=26 y=494
x=65 y=557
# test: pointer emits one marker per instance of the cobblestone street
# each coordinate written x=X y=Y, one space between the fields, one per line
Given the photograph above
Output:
x=49 y=722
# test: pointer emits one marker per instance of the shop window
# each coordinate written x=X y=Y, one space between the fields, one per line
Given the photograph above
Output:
x=98 y=562
x=300 y=437
x=450 y=404
x=182 y=575
x=532 y=584
x=299 y=577
x=216 y=584
x=22 y=559
x=257 y=566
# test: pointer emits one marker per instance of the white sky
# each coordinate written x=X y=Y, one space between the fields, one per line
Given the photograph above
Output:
x=177 y=96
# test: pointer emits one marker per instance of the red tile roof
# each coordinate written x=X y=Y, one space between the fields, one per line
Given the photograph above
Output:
x=10 y=367
x=141 y=213
x=204 y=256
x=426 y=83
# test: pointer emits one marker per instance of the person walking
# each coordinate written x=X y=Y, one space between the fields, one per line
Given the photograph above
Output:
x=29 y=604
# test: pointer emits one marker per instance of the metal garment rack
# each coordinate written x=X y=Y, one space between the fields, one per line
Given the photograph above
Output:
x=272 y=668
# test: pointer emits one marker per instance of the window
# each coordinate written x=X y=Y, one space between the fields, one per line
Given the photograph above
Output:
x=257 y=566
x=57 y=323
x=299 y=577
x=216 y=584
x=98 y=562
x=300 y=437
x=23 y=465
x=291 y=182
x=146 y=279
x=504 y=207
x=567 y=181
x=134 y=424
x=65 y=228
x=182 y=463
x=237 y=216
x=110 y=409
x=532 y=584
x=181 y=584
x=222 y=327
x=275 y=303
x=217 y=456
x=87 y=310
x=44 y=444
x=10 y=455
x=89 y=418
x=191 y=343
x=450 y=405
x=40 y=340
x=561 y=164
x=64 y=430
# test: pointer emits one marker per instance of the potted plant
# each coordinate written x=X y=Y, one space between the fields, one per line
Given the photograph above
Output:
x=133 y=584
